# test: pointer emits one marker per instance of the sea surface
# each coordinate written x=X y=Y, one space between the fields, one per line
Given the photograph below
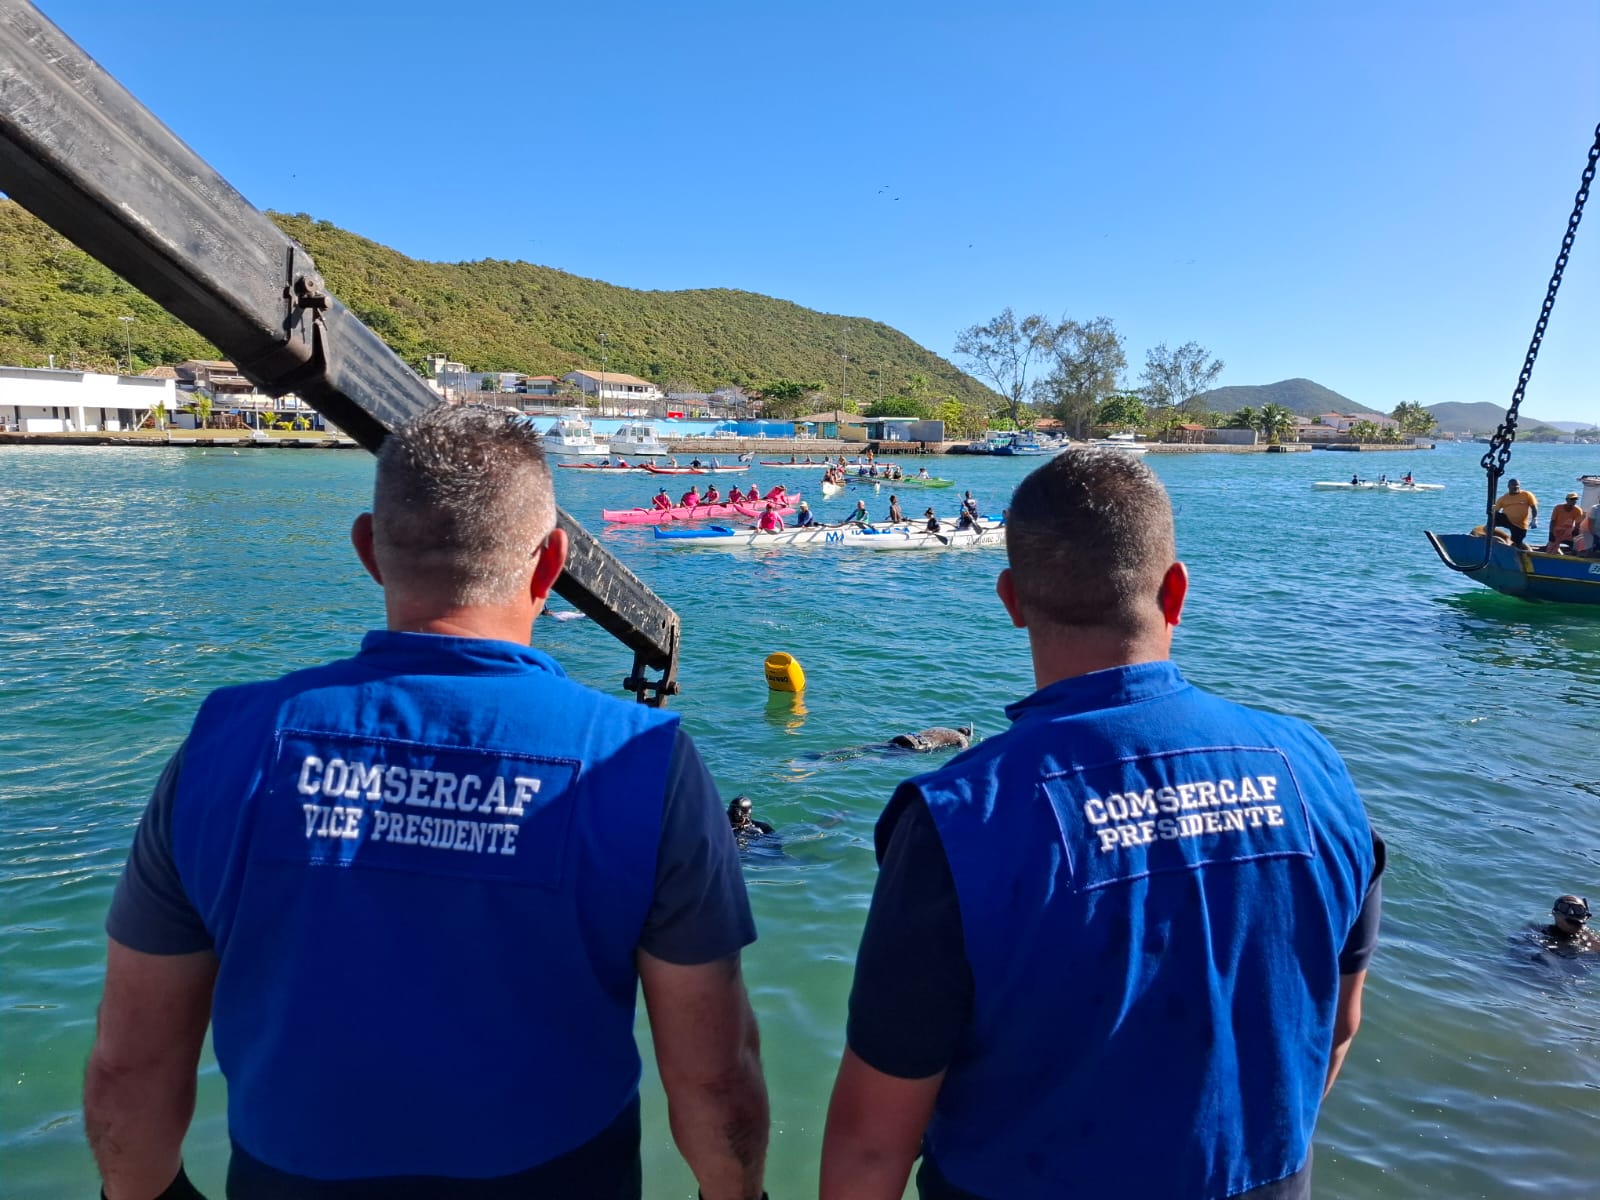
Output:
x=135 y=580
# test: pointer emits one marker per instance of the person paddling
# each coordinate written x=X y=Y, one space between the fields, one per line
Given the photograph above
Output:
x=770 y=521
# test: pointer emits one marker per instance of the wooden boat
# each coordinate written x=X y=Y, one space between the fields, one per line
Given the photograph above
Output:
x=1519 y=571
x=750 y=509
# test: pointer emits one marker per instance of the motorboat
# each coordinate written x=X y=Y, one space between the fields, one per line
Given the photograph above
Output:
x=637 y=440
x=573 y=437
x=1128 y=443
x=1021 y=445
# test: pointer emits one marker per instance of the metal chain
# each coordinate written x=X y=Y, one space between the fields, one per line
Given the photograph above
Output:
x=1498 y=456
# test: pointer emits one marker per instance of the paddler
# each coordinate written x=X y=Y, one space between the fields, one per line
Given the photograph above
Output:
x=735 y=496
x=689 y=499
x=770 y=521
x=804 y=520
x=860 y=516
x=896 y=517
x=662 y=500
x=712 y=496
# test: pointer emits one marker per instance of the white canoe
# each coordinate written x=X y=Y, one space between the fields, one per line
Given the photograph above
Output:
x=811 y=535
x=1373 y=485
x=831 y=489
x=950 y=539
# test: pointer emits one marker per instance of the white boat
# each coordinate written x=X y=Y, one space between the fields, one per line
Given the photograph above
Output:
x=573 y=437
x=1128 y=443
x=637 y=441
x=811 y=535
x=1374 y=485
x=831 y=489
x=916 y=539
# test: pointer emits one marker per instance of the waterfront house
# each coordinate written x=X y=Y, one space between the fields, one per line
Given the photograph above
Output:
x=36 y=400
x=613 y=389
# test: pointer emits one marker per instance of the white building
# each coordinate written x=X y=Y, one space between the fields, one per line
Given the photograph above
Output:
x=42 y=401
x=612 y=389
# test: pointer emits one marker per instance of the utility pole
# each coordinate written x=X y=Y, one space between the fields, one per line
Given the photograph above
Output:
x=600 y=396
x=127 y=330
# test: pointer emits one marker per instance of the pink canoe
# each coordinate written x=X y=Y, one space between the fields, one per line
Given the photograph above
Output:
x=700 y=512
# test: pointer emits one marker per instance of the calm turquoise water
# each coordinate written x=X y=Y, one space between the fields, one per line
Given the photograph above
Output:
x=136 y=580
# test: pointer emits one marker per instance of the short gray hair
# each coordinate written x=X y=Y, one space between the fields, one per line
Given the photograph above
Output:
x=1089 y=537
x=463 y=499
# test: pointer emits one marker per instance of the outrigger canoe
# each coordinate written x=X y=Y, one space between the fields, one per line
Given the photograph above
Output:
x=951 y=539
x=738 y=470
x=811 y=535
x=699 y=512
x=1375 y=485
x=597 y=467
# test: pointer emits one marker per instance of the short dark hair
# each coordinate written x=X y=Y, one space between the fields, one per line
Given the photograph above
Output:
x=1089 y=537
x=462 y=499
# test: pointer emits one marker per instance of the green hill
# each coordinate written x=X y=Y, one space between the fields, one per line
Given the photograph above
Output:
x=491 y=315
x=1484 y=418
x=1297 y=395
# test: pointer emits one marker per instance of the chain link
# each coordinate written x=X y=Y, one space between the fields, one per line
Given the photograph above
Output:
x=1498 y=456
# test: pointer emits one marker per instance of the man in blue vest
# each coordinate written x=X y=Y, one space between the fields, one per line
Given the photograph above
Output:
x=1117 y=950
x=414 y=893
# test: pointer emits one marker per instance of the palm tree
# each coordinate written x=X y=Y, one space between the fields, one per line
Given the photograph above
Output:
x=1276 y=421
x=1245 y=418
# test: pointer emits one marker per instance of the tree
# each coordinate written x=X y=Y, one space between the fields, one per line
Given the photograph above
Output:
x=490 y=383
x=1174 y=377
x=785 y=398
x=1276 y=421
x=1124 y=410
x=1365 y=431
x=1245 y=418
x=1003 y=351
x=202 y=408
x=962 y=418
x=1413 y=419
x=897 y=406
x=1088 y=359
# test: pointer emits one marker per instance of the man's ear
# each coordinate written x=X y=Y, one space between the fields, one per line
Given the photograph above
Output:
x=1006 y=588
x=552 y=561
x=1174 y=588
x=361 y=539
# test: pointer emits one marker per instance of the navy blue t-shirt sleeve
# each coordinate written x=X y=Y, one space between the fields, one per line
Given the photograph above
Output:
x=1363 y=939
x=911 y=1001
x=700 y=912
x=150 y=912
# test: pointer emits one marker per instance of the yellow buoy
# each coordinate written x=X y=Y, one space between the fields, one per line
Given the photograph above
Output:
x=784 y=673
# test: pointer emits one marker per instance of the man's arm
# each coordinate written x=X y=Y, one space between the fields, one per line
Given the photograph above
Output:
x=138 y=1091
x=708 y=1051
x=1346 y=1021
x=874 y=1131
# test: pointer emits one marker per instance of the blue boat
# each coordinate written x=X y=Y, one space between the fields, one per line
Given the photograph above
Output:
x=1019 y=444
x=705 y=531
x=1566 y=578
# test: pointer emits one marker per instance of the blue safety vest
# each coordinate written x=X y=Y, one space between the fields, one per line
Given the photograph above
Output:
x=425 y=870
x=1155 y=886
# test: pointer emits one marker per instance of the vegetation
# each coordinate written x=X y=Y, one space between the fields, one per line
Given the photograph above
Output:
x=491 y=315
x=1174 y=378
x=1003 y=351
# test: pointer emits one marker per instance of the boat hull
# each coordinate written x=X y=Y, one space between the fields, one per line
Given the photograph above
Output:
x=956 y=539
x=1562 y=579
x=655 y=470
x=1372 y=485
x=720 y=537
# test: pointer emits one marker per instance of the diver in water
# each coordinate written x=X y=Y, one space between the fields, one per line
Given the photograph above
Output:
x=744 y=825
x=936 y=738
x=1568 y=931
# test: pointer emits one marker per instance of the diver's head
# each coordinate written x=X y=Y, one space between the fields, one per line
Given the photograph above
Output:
x=739 y=810
x=1571 y=914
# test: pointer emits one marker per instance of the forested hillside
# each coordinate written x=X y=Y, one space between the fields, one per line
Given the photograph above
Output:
x=1300 y=396
x=491 y=315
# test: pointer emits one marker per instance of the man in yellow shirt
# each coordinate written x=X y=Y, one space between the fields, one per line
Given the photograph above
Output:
x=1517 y=510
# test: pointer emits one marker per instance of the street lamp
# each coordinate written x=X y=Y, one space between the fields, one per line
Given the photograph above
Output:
x=127 y=330
x=600 y=398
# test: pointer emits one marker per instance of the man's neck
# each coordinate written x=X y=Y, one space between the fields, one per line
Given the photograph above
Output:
x=1062 y=654
x=499 y=623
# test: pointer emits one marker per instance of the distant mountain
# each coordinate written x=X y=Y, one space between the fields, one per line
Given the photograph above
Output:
x=1297 y=395
x=1485 y=418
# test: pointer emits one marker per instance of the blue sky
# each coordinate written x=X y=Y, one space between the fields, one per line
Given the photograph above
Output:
x=1370 y=195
